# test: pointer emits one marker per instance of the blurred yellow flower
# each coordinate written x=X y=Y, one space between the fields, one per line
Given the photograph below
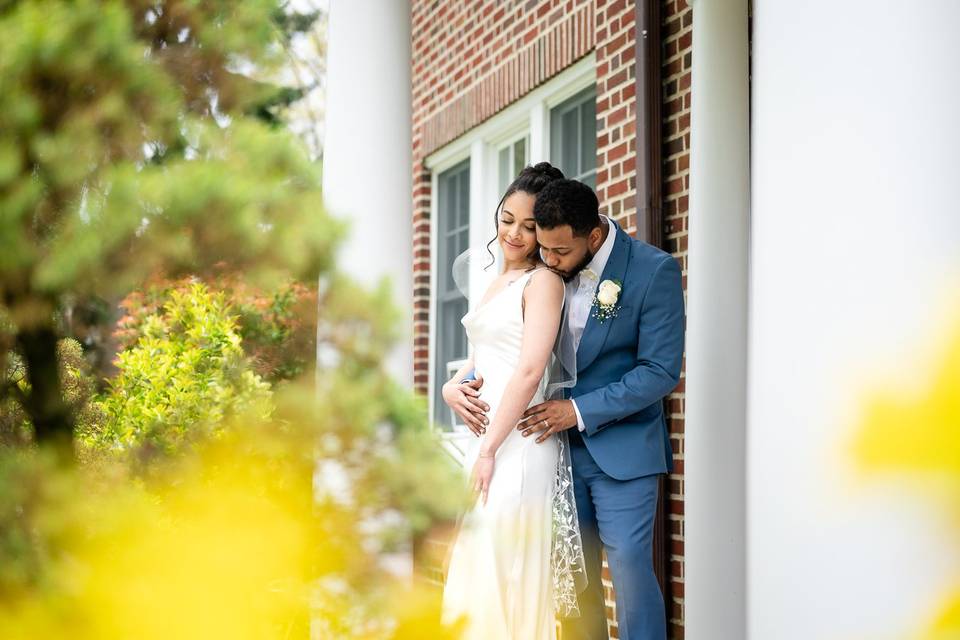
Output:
x=230 y=541
x=921 y=434
x=220 y=551
x=919 y=438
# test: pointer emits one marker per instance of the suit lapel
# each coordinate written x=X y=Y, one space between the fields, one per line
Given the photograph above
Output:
x=595 y=332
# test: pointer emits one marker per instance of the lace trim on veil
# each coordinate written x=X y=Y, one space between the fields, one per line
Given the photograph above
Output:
x=566 y=556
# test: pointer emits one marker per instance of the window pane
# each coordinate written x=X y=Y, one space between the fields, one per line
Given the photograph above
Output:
x=590 y=180
x=463 y=200
x=573 y=133
x=569 y=156
x=519 y=156
x=463 y=240
x=503 y=171
x=588 y=136
x=450 y=251
x=445 y=207
x=458 y=344
x=453 y=233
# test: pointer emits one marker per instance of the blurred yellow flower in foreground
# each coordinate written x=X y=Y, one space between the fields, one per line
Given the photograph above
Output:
x=229 y=541
x=222 y=551
x=919 y=436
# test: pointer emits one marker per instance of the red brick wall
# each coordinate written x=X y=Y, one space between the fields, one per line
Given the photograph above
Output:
x=677 y=36
x=472 y=58
x=616 y=145
x=617 y=111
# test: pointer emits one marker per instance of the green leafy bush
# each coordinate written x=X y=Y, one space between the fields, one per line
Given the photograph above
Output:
x=278 y=325
x=186 y=373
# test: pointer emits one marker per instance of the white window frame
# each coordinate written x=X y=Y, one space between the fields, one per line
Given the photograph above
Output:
x=528 y=117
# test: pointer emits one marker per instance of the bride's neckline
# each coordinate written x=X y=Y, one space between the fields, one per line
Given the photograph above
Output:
x=506 y=287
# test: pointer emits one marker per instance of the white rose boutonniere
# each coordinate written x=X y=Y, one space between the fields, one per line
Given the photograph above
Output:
x=605 y=304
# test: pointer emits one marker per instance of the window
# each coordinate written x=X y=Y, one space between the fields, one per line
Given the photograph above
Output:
x=511 y=159
x=573 y=137
x=453 y=237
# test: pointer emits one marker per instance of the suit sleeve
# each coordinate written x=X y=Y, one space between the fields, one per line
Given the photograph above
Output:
x=659 y=355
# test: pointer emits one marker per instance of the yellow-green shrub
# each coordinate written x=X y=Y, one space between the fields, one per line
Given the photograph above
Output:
x=186 y=373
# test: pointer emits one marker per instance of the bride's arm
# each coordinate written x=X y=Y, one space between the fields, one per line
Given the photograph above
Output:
x=543 y=302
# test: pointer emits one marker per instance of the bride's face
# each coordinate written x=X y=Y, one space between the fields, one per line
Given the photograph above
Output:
x=516 y=229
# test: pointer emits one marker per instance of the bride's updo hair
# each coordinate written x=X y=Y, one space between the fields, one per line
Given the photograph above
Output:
x=531 y=180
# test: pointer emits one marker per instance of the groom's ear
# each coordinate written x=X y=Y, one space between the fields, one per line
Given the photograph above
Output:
x=595 y=234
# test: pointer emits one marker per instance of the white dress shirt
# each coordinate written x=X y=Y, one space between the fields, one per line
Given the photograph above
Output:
x=581 y=292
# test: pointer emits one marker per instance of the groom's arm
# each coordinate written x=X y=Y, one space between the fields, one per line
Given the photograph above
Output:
x=659 y=356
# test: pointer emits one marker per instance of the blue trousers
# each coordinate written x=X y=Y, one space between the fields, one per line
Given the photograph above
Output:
x=616 y=515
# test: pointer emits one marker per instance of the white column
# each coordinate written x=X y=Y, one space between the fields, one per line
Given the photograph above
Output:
x=716 y=377
x=367 y=150
x=855 y=255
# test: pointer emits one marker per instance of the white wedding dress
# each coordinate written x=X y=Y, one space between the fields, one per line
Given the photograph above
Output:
x=500 y=577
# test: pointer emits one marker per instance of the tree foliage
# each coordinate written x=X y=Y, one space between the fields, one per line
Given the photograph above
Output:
x=132 y=147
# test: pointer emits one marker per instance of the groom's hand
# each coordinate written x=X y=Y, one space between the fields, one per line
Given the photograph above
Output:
x=548 y=417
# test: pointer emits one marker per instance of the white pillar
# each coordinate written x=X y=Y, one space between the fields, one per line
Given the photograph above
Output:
x=855 y=254
x=367 y=151
x=716 y=376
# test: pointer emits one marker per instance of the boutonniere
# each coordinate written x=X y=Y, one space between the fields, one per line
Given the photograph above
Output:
x=605 y=302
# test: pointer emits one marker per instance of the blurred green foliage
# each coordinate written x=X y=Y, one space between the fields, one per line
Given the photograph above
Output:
x=278 y=326
x=182 y=378
x=143 y=145
x=136 y=144
x=79 y=389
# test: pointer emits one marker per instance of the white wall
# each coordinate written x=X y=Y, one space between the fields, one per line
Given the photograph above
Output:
x=855 y=251
x=367 y=150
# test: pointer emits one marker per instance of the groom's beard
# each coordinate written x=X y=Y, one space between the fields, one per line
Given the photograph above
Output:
x=568 y=276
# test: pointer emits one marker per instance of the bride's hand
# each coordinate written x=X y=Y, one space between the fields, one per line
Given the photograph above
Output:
x=481 y=476
x=464 y=399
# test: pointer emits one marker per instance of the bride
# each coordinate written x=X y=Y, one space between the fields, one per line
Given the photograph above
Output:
x=511 y=563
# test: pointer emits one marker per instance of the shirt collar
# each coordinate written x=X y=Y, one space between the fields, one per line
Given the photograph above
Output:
x=600 y=258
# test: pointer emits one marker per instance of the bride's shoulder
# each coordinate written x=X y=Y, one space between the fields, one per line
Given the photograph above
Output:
x=545 y=279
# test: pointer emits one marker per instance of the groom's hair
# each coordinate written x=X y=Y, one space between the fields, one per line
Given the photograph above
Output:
x=567 y=202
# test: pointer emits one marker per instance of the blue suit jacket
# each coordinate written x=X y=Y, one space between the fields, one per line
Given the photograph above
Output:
x=626 y=365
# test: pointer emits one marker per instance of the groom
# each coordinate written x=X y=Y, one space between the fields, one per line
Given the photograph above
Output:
x=625 y=306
